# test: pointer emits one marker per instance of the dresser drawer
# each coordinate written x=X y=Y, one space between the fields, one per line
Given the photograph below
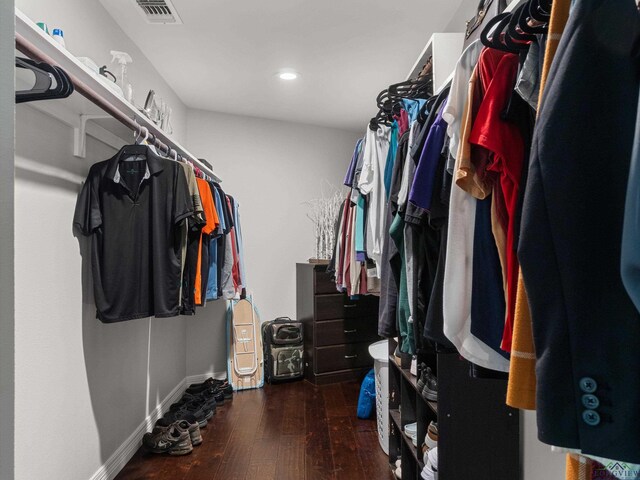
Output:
x=334 y=307
x=324 y=283
x=349 y=330
x=342 y=357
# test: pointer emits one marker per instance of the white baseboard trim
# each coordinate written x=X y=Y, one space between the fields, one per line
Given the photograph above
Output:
x=124 y=452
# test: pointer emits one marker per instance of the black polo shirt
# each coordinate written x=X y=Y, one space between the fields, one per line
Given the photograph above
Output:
x=132 y=211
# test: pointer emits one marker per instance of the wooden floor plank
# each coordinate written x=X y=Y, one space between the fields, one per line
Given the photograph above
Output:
x=293 y=414
x=318 y=457
x=290 y=465
x=344 y=449
x=375 y=463
x=335 y=403
x=264 y=471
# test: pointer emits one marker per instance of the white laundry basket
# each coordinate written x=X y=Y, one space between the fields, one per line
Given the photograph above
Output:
x=380 y=353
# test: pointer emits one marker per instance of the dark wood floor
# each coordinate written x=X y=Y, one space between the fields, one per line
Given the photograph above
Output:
x=290 y=431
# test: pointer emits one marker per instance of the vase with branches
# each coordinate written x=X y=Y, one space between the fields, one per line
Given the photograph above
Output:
x=323 y=212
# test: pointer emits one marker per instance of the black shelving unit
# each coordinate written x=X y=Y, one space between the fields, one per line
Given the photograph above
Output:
x=479 y=436
x=406 y=406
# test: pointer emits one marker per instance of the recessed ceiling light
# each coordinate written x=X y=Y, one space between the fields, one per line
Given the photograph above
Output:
x=287 y=75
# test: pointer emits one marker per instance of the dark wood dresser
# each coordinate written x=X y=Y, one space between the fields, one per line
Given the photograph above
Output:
x=337 y=330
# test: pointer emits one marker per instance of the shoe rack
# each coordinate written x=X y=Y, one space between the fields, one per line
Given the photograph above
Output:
x=478 y=434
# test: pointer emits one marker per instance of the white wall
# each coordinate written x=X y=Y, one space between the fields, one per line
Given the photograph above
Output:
x=272 y=168
x=7 y=316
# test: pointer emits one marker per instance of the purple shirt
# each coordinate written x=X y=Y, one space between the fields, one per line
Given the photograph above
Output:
x=348 y=179
x=422 y=187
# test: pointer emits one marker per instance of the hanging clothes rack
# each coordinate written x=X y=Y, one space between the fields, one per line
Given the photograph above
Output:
x=34 y=43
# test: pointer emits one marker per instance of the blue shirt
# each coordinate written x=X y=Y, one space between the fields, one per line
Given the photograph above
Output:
x=212 y=284
x=412 y=108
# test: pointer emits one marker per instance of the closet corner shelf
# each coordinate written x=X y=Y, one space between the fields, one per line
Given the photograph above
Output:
x=433 y=406
x=444 y=49
x=112 y=117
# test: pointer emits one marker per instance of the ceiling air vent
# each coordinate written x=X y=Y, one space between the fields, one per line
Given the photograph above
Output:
x=159 y=11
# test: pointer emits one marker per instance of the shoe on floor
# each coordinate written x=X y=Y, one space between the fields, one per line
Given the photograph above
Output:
x=174 y=440
x=188 y=423
x=208 y=393
x=178 y=411
x=398 y=473
x=194 y=431
x=208 y=401
x=430 y=391
x=209 y=383
x=211 y=398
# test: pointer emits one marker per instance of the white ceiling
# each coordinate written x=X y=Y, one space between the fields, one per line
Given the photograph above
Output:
x=226 y=54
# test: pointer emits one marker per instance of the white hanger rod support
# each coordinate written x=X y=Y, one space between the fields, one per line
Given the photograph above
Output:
x=160 y=139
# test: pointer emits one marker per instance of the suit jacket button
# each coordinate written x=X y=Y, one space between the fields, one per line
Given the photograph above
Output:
x=588 y=385
x=591 y=417
x=590 y=401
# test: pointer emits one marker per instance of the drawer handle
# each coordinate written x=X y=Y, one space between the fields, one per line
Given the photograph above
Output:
x=349 y=357
x=350 y=306
x=351 y=331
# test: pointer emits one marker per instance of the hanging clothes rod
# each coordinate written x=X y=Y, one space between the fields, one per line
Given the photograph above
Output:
x=136 y=122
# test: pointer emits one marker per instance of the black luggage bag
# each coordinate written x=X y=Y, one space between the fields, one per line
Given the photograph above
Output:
x=283 y=343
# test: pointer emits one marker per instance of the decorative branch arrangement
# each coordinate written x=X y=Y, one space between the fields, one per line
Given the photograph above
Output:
x=323 y=213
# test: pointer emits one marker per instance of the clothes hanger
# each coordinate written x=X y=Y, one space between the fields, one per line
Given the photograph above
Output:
x=45 y=75
x=68 y=85
x=525 y=22
x=151 y=142
x=514 y=32
x=426 y=109
x=497 y=35
x=141 y=129
x=142 y=143
x=43 y=80
x=540 y=10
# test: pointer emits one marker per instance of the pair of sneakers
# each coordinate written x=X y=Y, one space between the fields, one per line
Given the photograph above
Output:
x=177 y=438
x=427 y=383
x=431 y=465
x=411 y=430
x=221 y=389
x=430 y=440
x=202 y=409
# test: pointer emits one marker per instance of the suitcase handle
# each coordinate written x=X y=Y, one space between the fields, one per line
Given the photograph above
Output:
x=281 y=319
x=351 y=331
x=349 y=357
